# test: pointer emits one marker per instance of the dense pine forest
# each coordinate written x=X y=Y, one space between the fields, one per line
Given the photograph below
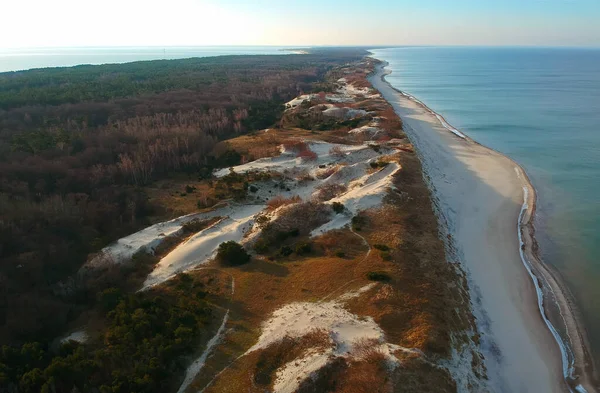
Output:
x=77 y=147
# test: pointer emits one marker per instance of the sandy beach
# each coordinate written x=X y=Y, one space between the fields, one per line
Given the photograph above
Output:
x=480 y=197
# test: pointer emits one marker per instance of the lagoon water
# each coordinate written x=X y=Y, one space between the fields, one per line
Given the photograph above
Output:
x=541 y=107
x=26 y=58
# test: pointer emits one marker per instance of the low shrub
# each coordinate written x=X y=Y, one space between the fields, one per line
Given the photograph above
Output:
x=307 y=155
x=232 y=253
x=196 y=225
x=386 y=256
x=378 y=164
x=261 y=246
x=329 y=191
x=378 y=276
x=337 y=207
x=285 y=251
x=337 y=152
x=381 y=247
x=294 y=145
x=303 y=248
x=357 y=223
x=279 y=201
x=340 y=254
x=375 y=147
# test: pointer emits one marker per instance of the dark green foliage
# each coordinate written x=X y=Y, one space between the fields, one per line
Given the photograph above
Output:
x=189 y=189
x=378 y=276
x=261 y=246
x=109 y=299
x=381 y=247
x=375 y=147
x=386 y=256
x=272 y=237
x=263 y=114
x=340 y=254
x=303 y=248
x=142 y=350
x=229 y=158
x=357 y=223
x=232 y=253
x=378 y=164
x=285 y=251
x=337 y=207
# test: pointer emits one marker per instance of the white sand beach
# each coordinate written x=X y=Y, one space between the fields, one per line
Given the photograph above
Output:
x=479 y=194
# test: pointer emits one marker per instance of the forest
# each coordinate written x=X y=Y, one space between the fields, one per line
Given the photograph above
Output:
x=77 y=147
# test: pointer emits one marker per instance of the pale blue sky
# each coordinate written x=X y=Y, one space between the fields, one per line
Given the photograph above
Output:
x=43 y=23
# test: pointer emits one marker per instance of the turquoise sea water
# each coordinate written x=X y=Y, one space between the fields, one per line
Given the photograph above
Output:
x=22 y=59
x=541 y=107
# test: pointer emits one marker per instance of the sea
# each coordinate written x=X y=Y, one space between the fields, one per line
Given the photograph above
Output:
x=541 y=107
x=26 y=58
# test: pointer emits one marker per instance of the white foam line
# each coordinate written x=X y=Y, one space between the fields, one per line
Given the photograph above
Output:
x=567 y=369
x=441 y=119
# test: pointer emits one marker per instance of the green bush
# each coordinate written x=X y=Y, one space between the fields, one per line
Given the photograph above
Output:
x=337 y=207
x=285 y=251
x=386 y=256
x=357 y=223
x=340 y=254
x=378 y=276
x=232 y=253
x=303 y=248
x=381 y=247
x=261 y=246
x=109 y=299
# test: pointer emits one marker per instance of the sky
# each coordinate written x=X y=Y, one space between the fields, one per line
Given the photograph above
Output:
x=65 y=23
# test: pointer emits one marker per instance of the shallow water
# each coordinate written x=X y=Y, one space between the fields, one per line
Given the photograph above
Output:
x=541 y=107
x=23 y=59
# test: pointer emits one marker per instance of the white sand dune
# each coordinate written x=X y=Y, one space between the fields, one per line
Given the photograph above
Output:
x=203 y=245
x=147 y=239
x=345 y=330
x=479 y=196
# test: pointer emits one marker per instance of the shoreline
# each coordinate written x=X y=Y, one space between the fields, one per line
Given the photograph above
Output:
x=578 y=370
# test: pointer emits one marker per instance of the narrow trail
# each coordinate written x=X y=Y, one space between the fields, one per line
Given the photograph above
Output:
x=366 y=243
x=195 y=368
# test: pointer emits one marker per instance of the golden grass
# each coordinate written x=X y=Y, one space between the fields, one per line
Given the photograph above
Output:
x=279 y=201
x=419 y=307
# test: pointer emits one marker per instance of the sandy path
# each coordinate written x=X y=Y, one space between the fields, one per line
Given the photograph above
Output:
x=480 y=195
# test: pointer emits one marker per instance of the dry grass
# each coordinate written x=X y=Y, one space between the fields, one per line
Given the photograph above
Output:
x=337 y=152
x=304 y=216
x=284 y=351
x=329 y=191
x=278 y=201
x=419 y=307
x=295 y=145
x=324 y=173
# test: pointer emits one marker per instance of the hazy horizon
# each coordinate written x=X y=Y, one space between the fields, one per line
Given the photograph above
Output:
x=135 y=23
